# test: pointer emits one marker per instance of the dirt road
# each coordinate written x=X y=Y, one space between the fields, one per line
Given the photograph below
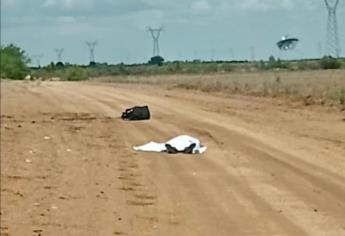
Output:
x=68 y=168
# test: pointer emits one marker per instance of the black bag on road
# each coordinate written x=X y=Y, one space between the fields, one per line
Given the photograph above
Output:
x=136 y=113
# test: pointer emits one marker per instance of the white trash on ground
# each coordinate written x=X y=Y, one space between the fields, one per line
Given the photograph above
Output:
x=180 y=143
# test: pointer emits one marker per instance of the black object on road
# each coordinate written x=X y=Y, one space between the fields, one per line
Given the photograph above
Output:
x=136 y=113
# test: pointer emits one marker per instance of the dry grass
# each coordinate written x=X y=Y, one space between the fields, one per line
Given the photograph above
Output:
x=324 y=87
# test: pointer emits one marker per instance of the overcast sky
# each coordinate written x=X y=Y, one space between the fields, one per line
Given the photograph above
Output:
x=203 y=29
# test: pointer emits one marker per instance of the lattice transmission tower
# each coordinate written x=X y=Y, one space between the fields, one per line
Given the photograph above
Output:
x=59 y=52
x=155 y=33
x=92 y=46
x=332 y=39
x=37 y=58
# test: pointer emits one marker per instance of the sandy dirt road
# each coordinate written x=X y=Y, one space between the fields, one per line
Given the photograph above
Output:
x=68 y=168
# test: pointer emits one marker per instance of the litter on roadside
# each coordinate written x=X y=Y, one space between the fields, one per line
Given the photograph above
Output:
x=180 y=144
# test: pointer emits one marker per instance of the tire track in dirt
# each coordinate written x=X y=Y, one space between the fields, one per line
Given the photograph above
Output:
x=61 y=141
x=242 y=185
x=254 y=151
x=134 y=133
x=201 y=189
x=30 y=170
x=194 y=115
x=209 y=191
x=121 y=215
x=133 y=186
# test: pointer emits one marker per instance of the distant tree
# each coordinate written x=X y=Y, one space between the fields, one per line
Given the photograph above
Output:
x=276 y=63
x=156 y=60
x=13 y=62
x=92 y=63
x=271 y=60
x=59 y=64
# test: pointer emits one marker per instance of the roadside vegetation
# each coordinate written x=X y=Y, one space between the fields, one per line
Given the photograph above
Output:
x=319 y=81
x=318 y=87
x=13 y=62
x=80 y=72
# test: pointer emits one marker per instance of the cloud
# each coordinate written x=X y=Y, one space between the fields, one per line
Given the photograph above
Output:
x=9 y=3
x=264 y=5
x=65 y=19
x=49 y=3
x=69 y=4
x=201 y=6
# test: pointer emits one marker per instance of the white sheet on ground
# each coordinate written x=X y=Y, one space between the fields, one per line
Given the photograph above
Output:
x=180 y=143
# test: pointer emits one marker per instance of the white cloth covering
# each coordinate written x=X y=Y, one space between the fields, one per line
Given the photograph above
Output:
x=180 y=143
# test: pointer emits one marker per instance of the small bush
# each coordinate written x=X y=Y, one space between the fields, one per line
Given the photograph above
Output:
x=76 y=74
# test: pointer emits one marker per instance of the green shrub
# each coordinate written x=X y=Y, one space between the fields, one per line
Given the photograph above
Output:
x=76 y=74
x=13 y=62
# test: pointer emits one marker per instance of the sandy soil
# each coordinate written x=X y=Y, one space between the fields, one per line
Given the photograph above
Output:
x=68 y=168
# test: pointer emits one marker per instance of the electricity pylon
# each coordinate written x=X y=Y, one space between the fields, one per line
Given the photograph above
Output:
x=155 y=33
x=37 y=58
x=59 y=52
x=332 y=39
x=91 y=46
